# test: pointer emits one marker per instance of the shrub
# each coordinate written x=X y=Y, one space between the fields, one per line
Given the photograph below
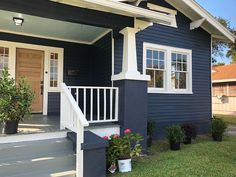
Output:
x=218 y=127
x=175 y=134
x=189 y=130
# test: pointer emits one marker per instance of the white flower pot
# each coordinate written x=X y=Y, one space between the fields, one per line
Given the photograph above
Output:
x=124 y=165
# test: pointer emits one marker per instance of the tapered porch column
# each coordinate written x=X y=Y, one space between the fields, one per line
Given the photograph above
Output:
x=132 y=88
x=129 y=66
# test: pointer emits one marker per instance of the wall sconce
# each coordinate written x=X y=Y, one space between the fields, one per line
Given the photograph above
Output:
x=18 y=21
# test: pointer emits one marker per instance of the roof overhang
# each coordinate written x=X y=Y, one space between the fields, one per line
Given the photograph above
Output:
x=117 y=7
x=195 y=12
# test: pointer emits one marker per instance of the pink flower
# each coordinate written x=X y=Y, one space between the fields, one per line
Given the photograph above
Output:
x=105 y=138
x=126 y=131
x=115 y=136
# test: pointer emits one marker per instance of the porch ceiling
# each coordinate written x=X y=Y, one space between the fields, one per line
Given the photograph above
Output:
x=49 y=28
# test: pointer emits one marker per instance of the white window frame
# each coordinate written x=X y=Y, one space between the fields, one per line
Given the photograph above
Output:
x=167 y=78
x=47 y=51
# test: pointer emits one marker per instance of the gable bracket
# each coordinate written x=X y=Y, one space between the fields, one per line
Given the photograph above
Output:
x=197 y=23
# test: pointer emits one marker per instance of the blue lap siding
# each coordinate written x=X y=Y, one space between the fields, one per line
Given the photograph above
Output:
x=166 y=109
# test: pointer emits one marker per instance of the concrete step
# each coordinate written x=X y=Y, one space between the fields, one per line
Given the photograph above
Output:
x=33 y=148
x=50 y=158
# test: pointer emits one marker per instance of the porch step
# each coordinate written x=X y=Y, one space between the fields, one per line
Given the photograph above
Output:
x=44 y=158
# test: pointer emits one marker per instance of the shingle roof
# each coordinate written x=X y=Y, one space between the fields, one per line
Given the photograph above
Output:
x=224 y=72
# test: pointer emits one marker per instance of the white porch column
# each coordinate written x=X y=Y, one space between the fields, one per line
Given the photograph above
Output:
x=129 y=66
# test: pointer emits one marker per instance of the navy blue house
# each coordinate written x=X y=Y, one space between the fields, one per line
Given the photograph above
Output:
x=169 y=78
x=125 y=62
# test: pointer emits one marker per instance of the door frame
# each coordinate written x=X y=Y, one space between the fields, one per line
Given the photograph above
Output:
x=46 y=70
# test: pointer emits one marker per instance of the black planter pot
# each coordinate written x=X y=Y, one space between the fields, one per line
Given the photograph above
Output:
x=174 y=146
x=10 y=127
x=188 y=140
x=149 y=141
x=217 y=137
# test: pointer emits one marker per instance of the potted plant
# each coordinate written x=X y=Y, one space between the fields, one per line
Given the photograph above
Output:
x=150 y=130
x=218 y=127
x=175 y=136
x=15 y=101
x=123 y=149
x=190 y=132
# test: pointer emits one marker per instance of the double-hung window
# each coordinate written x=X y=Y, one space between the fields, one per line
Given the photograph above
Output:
x=169 y=68
x=4 y=58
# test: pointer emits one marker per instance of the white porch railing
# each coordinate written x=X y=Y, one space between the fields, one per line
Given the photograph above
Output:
x=98 y=104
x=73 y=119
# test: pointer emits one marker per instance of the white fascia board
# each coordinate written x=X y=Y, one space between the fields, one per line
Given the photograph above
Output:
x=132 y=10
x=223 y=80
x=204 y=14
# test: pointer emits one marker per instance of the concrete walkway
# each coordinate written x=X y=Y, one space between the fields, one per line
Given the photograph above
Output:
x=231 y=130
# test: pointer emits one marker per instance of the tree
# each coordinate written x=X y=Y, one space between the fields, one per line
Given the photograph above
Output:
x=219 y=46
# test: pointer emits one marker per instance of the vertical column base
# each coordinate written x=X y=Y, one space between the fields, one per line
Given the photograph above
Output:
x=133 y=106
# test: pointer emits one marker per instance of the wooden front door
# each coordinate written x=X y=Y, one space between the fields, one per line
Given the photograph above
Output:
x=29 y=64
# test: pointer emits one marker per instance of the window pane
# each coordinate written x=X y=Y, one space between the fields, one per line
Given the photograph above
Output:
x=149 y=54
x=161 y=64
x=179 y=57
x=149 y=63
x=182 y=80
x=151 y=82
x=178 y=66
x=185 y=58
x=155 y=64
x=155 y=54
x=159 y=78
x=173 y=57
x=161 y=55
x=184 y=67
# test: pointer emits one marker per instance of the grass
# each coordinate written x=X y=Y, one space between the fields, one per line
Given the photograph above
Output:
x=228 y=119
x=204 y=158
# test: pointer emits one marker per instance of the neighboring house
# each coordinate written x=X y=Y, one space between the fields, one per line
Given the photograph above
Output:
x=224 y=89
x=127 y=62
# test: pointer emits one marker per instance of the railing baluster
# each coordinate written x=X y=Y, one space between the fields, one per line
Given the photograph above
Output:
x=98 y=104
x=116 y=104
x=111 y=103
x=85 y=102
x=105 y=104
x=91 y=104
x=77 y=95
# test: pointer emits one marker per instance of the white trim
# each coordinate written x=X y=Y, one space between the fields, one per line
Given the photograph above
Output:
x=47 y=50
x=167 y=83
x=32 y=137
x=46 y=37
x=192 y=4
x=197 y=23
x=161 y=9
x=120 y=8
x=211 y=76
x=112 y=57
x=223 y=80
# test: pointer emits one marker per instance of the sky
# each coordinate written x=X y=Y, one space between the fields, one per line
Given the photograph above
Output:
x=221 y=8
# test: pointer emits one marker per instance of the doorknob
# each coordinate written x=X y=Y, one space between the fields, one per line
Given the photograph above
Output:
x=41 y=87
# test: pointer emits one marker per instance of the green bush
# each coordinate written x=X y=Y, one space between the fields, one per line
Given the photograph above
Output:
x=15 y=98
x=218 y=127
x=175 y=134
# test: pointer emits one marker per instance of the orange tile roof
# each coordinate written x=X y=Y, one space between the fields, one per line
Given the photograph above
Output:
x=224 y=72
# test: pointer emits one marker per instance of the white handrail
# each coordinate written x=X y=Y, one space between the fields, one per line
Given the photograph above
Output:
x=73 y=119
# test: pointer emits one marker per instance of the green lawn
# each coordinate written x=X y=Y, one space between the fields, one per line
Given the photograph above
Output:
x=229 y=119
x=204 y=158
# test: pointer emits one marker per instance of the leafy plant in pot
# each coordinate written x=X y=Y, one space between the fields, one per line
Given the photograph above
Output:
x=150 y=130
x=175 y=136
x=15 y=101
x=218 y=127
x=123 y=149
x=190 y=132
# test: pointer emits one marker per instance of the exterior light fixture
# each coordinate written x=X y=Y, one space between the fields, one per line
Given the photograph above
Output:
x=18 y=21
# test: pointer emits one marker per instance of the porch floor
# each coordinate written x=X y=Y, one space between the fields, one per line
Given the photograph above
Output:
x=38 y=124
